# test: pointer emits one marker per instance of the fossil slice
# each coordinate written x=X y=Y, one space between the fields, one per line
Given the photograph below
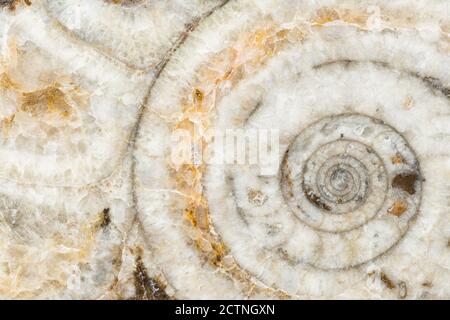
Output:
x=116 y=180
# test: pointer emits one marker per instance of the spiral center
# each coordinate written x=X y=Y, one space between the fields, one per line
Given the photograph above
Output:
x=340 y=179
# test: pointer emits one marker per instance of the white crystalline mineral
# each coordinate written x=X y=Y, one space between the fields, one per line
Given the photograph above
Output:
x=116 y=178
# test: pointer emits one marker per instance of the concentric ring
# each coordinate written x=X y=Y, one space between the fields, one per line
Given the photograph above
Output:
x=321 y=148
x=345 y=106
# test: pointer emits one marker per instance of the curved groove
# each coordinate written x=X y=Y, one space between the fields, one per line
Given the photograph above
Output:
x=429 y=82
x=159 y=69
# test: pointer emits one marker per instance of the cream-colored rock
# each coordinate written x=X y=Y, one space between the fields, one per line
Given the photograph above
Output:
x=342 y=191
x=138 y=33
x=358 y=96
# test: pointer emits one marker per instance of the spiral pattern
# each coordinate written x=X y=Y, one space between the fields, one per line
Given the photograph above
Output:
x=337 y=184
x=339 y=175
x=349 y=104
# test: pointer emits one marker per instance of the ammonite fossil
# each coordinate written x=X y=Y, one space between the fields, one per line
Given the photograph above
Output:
x=225 y=149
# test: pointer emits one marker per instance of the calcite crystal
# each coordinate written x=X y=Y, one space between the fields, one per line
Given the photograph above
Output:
x=116 y=180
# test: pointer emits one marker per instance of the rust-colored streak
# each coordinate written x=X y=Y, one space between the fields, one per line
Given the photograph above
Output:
x=198 y=98
x=402 y=290
x=6 y=124
x=124 y=2
x=257 y=197
x=218 y=253
x=53 y=99
x=7 y=83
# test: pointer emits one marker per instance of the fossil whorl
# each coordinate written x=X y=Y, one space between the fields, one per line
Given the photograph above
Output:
x=347 y=195
x=359 y=99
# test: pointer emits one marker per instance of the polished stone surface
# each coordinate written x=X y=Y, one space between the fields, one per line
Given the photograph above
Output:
x=348 y=198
